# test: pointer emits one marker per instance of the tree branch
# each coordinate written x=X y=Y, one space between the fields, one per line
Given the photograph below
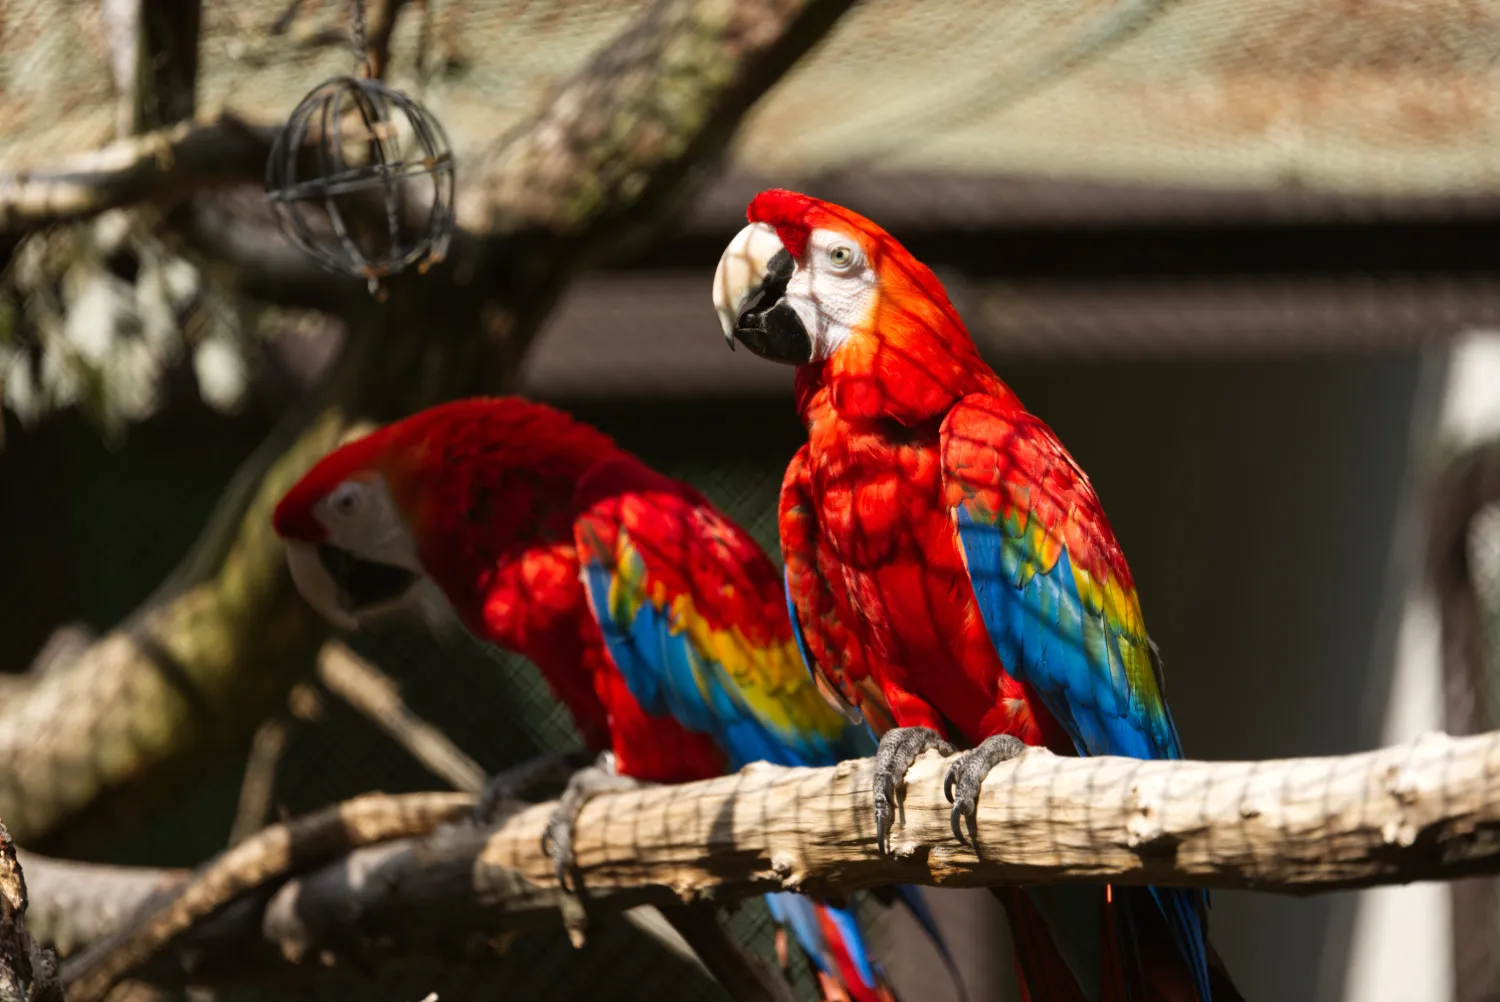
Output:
x=379 y=27
x=75 y=904
x=96 y=742
x=154 y=167
x=167 y=66
x=375 y=695
x=276 y=851
x=616 y=155
x=1423 y=811
x=372 y=693
x=622 y=140
x=258 y=787
x=27 y=972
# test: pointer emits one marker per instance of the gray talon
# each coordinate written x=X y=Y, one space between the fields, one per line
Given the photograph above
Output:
x=557 y=838
x=514 y=783
x=966 y=775
x=557 y=845
x=898 y=749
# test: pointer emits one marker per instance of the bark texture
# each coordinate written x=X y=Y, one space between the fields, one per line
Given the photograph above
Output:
x=1423 y=811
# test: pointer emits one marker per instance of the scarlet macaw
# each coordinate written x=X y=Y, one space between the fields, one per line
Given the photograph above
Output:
x=951 y=572
x=657 y=621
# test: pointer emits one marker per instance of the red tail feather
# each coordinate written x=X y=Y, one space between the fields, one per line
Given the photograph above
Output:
x=1142 y=968
x=1043 y=974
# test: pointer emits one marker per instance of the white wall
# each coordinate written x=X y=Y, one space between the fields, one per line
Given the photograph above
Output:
x=1403 y=936
x=1266 y=508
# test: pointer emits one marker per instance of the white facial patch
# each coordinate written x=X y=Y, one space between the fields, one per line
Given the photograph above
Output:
x=361 y=517
x=832 y=291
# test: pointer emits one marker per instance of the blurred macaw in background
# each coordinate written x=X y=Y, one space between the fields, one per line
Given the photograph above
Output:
x=952 y=575
x=659 y=623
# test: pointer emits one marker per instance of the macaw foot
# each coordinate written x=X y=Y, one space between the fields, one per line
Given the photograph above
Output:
x=899 y=748
x=557 y=840
x=511 y=785
x=966 y=776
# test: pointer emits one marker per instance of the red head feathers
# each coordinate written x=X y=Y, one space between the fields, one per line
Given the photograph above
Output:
x=438 y=495
x=817 y=285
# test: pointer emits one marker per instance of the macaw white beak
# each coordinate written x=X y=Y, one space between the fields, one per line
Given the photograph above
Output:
x=750 y=297
x=316 y=583
x=743 y=267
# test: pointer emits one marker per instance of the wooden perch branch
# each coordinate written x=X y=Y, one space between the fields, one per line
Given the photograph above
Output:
x=1422 y=811
x=370 y=691
x=279 y=850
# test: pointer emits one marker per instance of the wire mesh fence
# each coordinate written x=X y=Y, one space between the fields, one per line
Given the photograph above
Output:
x=109 y=320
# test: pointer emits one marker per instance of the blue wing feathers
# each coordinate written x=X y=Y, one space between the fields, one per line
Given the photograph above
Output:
x=1072 y=658
x=1045 y=637
x=800 y=914
x=631 y=647
x=668 y=676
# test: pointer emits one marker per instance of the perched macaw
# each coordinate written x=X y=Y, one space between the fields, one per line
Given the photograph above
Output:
x=657 y=621
x=952 y=574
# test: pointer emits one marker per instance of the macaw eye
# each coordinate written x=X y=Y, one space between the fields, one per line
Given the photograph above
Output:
x=841 y=256
x=345 y=499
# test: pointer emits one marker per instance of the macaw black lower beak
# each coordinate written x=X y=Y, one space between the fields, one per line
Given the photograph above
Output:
x=767 y=324
x=363 y=584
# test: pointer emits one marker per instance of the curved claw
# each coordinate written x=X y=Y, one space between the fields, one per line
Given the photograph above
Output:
x=557 y=845
x=885 y=791
x=964 y=811
x=557 y=837
x=966 y=776
x=898 y=749
x=950 y=779
x=505 y=791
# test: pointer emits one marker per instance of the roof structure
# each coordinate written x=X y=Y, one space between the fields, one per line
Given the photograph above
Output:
x=1090 y=177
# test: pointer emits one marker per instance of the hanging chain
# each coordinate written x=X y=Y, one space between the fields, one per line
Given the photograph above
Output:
x=357 y=29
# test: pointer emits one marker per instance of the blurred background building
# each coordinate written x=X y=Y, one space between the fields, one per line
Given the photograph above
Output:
x=1242 y=256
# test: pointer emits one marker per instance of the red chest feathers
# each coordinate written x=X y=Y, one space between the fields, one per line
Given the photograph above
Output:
x=881 y=515
x=879 y=498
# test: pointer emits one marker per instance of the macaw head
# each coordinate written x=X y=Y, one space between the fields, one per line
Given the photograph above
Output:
x=436 y=498
x=808 y=281
x=349 y=545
